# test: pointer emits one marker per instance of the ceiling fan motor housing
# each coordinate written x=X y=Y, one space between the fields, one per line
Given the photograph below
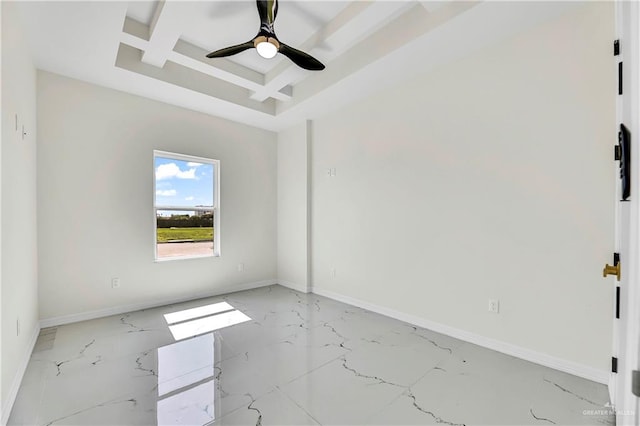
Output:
x=265 y=39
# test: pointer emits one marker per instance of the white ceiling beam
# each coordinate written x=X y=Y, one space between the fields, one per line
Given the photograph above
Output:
x=287 y=77
x=134 y=34
x=128 y=58
x=164 y=32
x=194 y=57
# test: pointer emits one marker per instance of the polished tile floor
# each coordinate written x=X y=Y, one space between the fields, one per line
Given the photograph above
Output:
x=290 y=359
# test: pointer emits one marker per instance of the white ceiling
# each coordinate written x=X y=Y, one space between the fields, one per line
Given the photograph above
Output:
x=157 y=49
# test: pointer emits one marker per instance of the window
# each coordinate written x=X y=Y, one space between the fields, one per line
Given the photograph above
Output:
x=186 y=206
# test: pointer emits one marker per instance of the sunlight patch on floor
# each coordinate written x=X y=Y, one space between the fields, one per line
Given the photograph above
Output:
x=207 y=318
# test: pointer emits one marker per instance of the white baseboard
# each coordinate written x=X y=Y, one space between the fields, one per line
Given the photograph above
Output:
x=117 y=310
x=576 y=369
x=17 y=378
x=294 y=286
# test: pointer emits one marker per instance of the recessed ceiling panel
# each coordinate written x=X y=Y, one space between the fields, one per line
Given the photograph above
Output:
x=142 y=11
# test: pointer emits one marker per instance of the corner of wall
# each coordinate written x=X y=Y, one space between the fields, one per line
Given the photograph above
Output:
x=295 y=286
x=293 y=207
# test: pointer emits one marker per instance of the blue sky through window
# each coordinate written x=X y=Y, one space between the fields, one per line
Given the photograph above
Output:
x=183 y=183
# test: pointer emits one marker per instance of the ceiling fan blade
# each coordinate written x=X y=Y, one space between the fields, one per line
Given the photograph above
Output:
x=267 y=9
x=301 y=59
x=231 y=50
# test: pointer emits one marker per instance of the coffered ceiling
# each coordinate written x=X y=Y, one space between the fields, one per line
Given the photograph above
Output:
x=157 y=49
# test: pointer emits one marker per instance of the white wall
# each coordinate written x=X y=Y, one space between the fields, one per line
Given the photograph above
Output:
x=19 y=234
x=490 y=177
x=95 y=200
x=292 y=208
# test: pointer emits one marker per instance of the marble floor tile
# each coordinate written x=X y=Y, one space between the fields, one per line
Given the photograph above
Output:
x=301 y=359
x=273 y=408
x=356 y=324
x=396 y=359
x=82 y=387
x=338 y=393
x=295 y=356
x=238 y=383
x=479 y=386
x=120 y=411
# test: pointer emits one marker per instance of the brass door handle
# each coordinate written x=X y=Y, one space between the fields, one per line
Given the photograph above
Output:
x=612 y=270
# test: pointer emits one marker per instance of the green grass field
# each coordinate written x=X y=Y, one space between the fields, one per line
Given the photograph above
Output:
x=196 y=234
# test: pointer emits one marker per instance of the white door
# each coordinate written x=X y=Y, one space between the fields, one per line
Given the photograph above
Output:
x=627 y=327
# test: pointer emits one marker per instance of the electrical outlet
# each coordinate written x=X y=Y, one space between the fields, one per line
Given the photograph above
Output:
x=240 y=267
x=494 y=306
x=332 y=273
x=331 y=172
x=115 y=282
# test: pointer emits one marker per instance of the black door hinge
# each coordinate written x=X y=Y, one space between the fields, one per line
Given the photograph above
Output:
x=614 y=364
x=619 y=78
x=635 y=383
x=616 y=47
x=616 y=260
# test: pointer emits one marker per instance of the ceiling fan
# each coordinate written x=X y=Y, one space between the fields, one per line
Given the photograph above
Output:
x=266 y=42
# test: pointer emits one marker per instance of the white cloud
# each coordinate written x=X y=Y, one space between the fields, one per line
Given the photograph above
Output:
x=192 y=164
x=189 y=198
x=166 y=193
x=171 y=170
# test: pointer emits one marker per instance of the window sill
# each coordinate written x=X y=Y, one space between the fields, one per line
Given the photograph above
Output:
x=170 y=259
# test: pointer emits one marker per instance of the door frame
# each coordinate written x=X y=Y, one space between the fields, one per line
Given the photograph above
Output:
x=627 y=328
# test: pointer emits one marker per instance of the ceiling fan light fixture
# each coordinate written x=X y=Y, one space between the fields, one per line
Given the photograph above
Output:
x=267 y=49
x=266 y=42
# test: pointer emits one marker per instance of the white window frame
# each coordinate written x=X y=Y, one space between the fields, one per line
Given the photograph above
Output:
x=215 y=209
